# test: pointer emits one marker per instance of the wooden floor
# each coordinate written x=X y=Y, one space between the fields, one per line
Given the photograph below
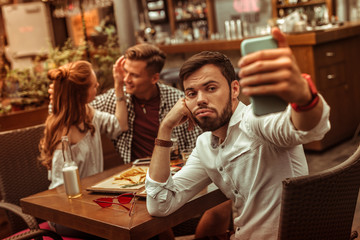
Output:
x=332 y=157
x=317 y=161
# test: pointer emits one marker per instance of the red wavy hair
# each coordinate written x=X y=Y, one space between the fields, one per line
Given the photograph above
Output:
x=71 y=84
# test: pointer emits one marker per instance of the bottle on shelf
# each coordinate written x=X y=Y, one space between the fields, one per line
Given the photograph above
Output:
x=70 y=171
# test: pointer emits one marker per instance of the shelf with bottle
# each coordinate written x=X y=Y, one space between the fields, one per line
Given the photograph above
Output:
x=193 y=19
x=281 y=8
x=191 y=12
x=156 y=11
x=284 y=4
x=157 y=16
x=191 y=31
x=153 y=5
x=194 y=9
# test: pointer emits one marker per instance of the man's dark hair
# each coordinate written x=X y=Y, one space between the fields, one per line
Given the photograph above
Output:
x=151 y=54
x=204 y=58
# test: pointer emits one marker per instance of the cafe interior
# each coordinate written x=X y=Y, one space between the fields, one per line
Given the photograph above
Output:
x=36 y=36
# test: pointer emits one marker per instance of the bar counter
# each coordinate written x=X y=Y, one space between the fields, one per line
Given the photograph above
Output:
x=348 y=29
x=330 y=56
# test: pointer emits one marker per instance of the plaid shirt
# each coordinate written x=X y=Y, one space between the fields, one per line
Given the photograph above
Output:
x=168 y=97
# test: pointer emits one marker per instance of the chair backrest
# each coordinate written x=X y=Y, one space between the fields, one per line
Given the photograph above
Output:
x=21 y=174
x=321 y=206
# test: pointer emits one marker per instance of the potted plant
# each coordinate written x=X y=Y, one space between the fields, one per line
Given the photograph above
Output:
x=28 y=88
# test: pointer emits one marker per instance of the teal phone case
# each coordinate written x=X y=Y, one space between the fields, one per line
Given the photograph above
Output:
x=263 y=105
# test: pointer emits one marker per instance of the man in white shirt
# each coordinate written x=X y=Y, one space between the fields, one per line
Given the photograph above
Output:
x=246 y=156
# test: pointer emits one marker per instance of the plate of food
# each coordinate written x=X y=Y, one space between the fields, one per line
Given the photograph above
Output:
x=142 y=161
x=129 y=180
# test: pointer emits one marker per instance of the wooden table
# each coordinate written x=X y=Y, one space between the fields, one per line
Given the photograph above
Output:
x=113 y=222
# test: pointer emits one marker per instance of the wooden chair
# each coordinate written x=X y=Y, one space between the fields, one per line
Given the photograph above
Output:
x=170 y=76
x=21 y=176
x=321 y=206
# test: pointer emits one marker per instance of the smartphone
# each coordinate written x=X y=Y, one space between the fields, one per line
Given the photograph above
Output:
x=263 y=104
x=142 y=161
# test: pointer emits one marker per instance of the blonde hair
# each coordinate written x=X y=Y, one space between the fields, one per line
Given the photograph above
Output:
x=71 y=84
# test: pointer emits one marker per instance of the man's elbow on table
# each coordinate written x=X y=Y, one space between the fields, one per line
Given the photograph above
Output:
x=155 y=208
x=159 y=200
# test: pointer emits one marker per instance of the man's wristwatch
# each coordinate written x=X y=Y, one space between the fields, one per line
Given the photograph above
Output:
x=119 y=99
x=163 y=143
x=314 y=94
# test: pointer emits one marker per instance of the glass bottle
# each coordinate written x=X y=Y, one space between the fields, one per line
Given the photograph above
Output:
x=174 y=153
x=70 y=171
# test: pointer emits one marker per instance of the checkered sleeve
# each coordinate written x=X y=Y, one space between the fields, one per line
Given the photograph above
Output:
x=105 y=102
x=187 y=139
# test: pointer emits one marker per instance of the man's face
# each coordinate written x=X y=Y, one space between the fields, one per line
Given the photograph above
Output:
x=137 y=79
x=208 y=98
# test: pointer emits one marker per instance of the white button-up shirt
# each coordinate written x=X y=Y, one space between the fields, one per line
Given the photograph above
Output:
x=248 y=167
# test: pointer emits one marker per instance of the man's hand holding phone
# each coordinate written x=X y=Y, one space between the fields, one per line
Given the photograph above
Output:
x=269 y=74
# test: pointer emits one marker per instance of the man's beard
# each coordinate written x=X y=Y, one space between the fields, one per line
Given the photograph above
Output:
x=212 y=124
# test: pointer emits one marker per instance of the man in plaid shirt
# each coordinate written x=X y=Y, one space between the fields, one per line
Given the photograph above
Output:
x=147 y=102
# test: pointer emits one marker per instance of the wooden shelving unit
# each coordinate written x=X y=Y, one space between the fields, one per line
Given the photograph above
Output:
x=209 y=17
x=276 y=6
